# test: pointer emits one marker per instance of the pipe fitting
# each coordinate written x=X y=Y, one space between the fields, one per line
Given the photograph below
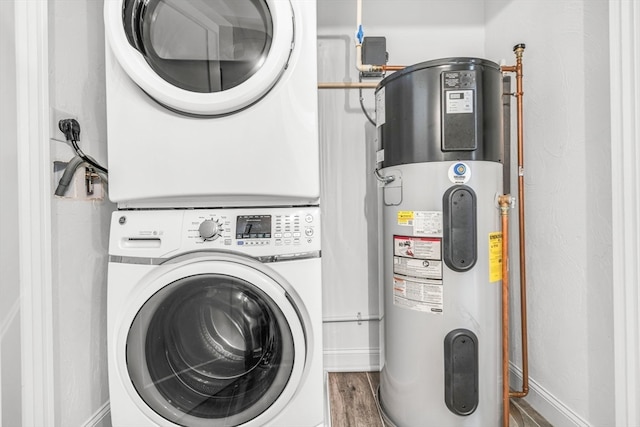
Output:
x=519 y=49
x=504 y=200
x=384 y=179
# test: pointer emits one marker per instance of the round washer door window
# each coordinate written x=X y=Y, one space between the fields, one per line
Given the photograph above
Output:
x=202 y=57
x=210 y=350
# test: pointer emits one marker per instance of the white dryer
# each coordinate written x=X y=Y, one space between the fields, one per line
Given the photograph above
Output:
x=211 y=102
x=214 y=318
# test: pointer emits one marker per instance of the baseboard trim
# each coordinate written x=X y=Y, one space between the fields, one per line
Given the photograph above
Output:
x=98 y=416
x=545 y=403
x=352 y=359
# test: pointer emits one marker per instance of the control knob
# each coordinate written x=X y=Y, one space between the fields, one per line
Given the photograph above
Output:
x=209 y=229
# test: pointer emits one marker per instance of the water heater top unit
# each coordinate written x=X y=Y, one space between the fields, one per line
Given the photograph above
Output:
x=441 y=110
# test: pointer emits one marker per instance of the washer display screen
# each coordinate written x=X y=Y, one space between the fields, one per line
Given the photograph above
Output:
x=253 y=227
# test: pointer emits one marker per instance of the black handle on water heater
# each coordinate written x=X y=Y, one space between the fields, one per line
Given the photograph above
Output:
x=459 y=243
x=461 y=371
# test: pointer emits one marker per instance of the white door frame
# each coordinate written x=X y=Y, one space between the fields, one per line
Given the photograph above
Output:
x=624 y=28
x=34 y=212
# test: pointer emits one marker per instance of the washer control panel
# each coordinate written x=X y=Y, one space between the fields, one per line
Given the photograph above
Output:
x=297 y=229
x=288 y=232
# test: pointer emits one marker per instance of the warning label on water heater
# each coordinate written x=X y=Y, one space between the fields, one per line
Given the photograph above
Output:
x=420 y=295
x=495 y=256
x=417 y=273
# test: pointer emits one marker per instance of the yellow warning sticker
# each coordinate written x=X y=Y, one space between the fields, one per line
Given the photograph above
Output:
x=495 y=256
x=405 y=218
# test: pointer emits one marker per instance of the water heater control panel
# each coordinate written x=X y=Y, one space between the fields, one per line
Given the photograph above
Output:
x=459 y=111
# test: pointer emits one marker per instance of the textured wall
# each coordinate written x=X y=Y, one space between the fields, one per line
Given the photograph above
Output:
x=568 y=180
x=80 y=228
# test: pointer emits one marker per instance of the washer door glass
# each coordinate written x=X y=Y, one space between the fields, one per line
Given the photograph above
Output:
x=210 y=347
x=200 y=46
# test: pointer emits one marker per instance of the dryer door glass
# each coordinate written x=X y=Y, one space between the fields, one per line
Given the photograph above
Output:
x=209 y=349
x=200 y=46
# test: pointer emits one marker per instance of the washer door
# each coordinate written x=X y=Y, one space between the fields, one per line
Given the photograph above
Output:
x=202 y=57
x=218 y=344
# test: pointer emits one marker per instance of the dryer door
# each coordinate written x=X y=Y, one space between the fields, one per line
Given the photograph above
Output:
x=218 y=343
x=202 y=57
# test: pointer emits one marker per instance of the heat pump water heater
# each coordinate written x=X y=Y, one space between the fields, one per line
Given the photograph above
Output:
x=441 y=132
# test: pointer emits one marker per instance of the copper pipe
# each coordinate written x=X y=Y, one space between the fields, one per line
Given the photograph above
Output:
x=348 y=85
x=393 y=67
x=360 y=85
x=519 y=50
x=504 y=202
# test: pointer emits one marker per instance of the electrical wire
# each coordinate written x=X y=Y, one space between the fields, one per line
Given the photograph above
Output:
x=362 y=103
x=71 y=130
x=88 y=159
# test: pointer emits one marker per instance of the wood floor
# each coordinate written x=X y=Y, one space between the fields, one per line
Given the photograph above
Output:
x=353 y=403
x=352 y=399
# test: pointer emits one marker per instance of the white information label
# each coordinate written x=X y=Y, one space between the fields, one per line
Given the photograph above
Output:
x=417 y=273
x=417 y=268
x=459 y=101
x=459 y=173
x=427 y=223
x=417 y=247
x=420 y=295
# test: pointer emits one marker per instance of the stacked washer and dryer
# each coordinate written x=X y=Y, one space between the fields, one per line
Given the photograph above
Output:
x=214 y=287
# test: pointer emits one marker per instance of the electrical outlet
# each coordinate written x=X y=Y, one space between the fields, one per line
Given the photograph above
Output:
x=55 y=116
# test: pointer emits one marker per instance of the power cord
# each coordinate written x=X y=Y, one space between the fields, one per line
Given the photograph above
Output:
x=71 y=130
x=364 y=110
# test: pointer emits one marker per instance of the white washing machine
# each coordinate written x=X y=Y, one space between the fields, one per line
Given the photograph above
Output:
x=214 y=318
x=211 y=102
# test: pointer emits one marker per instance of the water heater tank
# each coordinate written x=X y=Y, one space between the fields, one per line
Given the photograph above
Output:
x=441 y=134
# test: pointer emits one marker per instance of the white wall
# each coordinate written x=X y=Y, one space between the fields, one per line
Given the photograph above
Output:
x=10 y=366
x=568 y=181
x=80 y=228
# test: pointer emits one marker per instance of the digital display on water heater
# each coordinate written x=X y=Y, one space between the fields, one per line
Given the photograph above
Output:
x=253 y=227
